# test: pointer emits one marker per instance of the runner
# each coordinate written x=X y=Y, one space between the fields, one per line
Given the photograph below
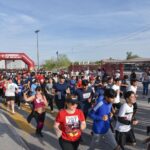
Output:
x=69 y=124
x=116 y=87
x=124 y=132
x=11 y=89
x=85 y=95
x=125 y=84
x=145 y=82
x=49 y=94
x=34 y=85
x=133 y=88
x=40 y=104
x=110 y=82
x=60 y=90
x=101 y=115
x=19 y=95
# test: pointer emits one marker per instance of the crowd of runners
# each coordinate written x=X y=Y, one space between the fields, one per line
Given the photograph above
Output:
x=76 y=97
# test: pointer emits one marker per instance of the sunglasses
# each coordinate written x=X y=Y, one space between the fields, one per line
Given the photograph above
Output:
x=74 y=103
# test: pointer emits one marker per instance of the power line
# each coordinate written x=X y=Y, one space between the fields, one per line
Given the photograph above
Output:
x=126 y=37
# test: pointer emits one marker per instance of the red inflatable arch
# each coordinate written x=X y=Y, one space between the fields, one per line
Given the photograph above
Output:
x=18 y=56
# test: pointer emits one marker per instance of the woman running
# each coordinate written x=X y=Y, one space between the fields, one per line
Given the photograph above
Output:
x=69 y=124
x=11 y=90
x=40 y=104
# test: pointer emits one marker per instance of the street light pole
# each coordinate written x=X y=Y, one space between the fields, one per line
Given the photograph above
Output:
x=37 y=31
x=57 y=55
x=57 y=59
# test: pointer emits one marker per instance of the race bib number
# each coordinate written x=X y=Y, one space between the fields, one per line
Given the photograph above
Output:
x=86 y=95
x=72 y=119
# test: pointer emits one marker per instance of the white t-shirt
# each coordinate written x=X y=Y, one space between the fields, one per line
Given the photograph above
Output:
x=10 y=89
x=132 y=88
x=127 y=112
x=117 y=75
x=116 y=88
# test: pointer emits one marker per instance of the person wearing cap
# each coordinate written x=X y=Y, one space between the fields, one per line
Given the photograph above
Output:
x=85 y=95
x=60 y=90
x=69 y=124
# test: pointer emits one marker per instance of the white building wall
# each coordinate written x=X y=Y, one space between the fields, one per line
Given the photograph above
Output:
x=2 y=64
x=16 y=64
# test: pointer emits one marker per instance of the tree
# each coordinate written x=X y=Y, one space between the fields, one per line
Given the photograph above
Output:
x=53 y=63
x=76 y=63
x=97 y=62
x=131 y=56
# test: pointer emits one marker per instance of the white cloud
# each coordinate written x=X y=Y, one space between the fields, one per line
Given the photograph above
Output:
x=16 y=23
x=27 y=19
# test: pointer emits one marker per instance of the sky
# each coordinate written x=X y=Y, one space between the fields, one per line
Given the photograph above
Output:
x=84 y=30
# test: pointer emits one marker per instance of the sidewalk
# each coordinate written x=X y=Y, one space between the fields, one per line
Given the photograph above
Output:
x=9 y=139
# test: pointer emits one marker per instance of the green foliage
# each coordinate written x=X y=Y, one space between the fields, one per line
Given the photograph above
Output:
x=53 y=63
x=131 y=56
x=97 y=62
x=76 y=63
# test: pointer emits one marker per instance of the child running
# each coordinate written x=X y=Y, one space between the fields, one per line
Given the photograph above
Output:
x=124 y=132
x=101 y=115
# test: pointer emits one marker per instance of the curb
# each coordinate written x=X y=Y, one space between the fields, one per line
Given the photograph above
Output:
x=13 y=130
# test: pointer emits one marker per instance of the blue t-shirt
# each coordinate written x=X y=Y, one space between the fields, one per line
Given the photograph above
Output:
x=33 y=87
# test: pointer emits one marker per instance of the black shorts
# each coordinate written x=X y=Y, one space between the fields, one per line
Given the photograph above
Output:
x=10 y=98
x=69 y=145
x=125 y=137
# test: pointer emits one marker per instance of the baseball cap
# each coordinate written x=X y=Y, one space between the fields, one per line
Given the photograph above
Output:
x=71 y=99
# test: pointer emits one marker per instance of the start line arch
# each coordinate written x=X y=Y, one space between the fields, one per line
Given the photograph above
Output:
x=18 y=56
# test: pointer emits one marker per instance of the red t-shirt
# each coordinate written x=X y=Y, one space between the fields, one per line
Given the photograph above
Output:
x=79 y=84
x=70 y=124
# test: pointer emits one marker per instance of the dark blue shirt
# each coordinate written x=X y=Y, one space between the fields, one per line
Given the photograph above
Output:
x=83 y=96
x=60 y=90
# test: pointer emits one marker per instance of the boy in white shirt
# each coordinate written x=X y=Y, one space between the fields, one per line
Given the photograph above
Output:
x=124 y=132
